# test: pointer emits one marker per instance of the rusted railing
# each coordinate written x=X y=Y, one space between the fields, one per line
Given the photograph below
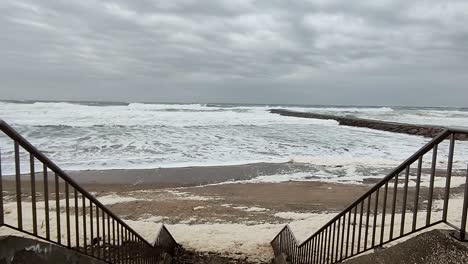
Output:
x=41 y=200
x=396 y=207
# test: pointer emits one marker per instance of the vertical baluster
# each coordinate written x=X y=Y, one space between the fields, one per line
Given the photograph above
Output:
x=85 y=242
x=384 y=209
x=354 y=230
x=332 y=253
x=298 y=252
x=347 y=234
x=394 y=198
x=342 y=236
x=119 y=243
x=46 y=200
x=91 y=227
x=132 y=248
x=405 y=196
x=367 y=221
x=19 y=207
x=338 y=240
x=449 y=176
x=316 y=249
x=290 y=243
x=98 y=234
x=127 y=248
x=285 y=239
x=67 y=212
x=360 y=227
x=291 y=246
x=416 y=195
x=109 y=237
x=137 y=250
x=287 y=244
x=33 y=192
x=312 y=249
x=323 y=246
x=2 y=216
x=330 y=238
x=57 y=208
x=104 y=253
x=279 y=239
x=124 y=245
x=77 y=221
x=464 y=210
x=320 y=247
x=431 y=185
x=114 y=244
x=376 y=212
x=140 y=248
x=322 y=234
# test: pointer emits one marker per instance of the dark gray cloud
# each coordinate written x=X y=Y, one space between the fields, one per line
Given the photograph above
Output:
x=266 y=51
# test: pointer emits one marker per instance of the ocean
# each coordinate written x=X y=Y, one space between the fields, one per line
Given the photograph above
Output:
x=101 y=136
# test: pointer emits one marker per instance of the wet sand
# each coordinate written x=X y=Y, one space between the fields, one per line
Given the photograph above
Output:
x=227 y=203
x=182 y=176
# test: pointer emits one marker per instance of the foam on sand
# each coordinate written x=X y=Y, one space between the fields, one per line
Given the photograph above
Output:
x=233 y=239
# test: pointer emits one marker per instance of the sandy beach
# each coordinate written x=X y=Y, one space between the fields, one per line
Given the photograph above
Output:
x=231 y=215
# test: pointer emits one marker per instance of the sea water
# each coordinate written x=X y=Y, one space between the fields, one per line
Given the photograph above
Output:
x=91 y=136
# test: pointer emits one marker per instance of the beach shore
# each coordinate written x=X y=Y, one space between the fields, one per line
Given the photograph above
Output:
x=231 y=215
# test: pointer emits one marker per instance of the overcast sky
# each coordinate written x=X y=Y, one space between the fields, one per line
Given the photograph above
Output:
x=376 y=52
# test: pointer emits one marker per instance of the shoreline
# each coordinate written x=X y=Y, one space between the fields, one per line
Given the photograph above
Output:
x=178 y=177
x=181 y=176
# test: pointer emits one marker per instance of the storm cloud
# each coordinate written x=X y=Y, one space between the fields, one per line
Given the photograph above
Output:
x=377 y=52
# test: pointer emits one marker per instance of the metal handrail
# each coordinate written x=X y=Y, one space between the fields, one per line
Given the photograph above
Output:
x=308 y=251
x=382 y=182
x=125 y=230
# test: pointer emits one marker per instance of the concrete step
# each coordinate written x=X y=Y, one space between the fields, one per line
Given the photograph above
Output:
x=432 y=247
x=19 y=250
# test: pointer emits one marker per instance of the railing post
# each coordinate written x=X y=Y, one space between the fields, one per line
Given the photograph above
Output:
x=461 y=235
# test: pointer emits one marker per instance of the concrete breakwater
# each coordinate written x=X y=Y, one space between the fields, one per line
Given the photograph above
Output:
x=411 y=129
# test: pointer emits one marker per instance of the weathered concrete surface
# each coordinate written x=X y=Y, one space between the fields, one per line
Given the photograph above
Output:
x=411 y=129
x=434 y=247
x=183 y=256
x=19 y=250
x=281 y=259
